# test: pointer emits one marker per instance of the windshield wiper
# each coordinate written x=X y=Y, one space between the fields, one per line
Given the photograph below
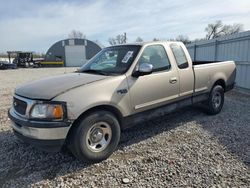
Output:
x=95 y=72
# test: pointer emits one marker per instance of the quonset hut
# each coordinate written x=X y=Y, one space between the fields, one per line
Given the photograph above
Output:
x=71 y=52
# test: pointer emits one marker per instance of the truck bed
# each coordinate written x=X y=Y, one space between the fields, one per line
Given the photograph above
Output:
x=205 y=62
x=207 y=72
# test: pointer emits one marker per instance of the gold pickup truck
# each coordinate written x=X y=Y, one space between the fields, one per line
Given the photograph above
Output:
x=119 y=87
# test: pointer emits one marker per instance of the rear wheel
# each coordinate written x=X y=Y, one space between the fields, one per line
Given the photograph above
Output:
x=95 y=137
x=216 y=100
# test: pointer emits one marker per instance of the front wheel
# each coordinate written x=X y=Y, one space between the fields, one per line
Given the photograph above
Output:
x=95 y=137
x=216 y=100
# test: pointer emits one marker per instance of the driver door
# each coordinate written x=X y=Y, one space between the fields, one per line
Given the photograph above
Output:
x=158 y=88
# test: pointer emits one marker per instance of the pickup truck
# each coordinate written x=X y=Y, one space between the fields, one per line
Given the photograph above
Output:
x=119 y=87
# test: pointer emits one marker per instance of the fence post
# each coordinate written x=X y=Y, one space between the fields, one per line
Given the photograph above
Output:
x=194 y=52
x=215 y=50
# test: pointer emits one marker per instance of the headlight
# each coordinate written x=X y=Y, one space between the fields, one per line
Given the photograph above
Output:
x=47 y=111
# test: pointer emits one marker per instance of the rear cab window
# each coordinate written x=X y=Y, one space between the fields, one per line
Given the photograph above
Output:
x=180 y=56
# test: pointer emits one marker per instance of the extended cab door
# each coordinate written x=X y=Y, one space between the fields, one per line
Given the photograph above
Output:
x=158 y=88
x=185 y=69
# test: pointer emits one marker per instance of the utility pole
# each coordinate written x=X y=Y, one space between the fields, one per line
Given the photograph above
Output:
x=125 y=37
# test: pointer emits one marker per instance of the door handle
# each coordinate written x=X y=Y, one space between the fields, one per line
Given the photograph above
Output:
x=173 y=80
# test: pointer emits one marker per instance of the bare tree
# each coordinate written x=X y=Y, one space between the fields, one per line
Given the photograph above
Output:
x=218 y=29
x=183 y=38
x=112 y=41
x=138 y=39
x=38 y=55
x=198 y=39
x=3 y=55
x=119 y=39
x=156 y=39
x=232 y=29
x=76 y=34
x=214 y=29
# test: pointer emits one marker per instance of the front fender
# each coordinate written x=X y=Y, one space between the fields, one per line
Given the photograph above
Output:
x=104 y=92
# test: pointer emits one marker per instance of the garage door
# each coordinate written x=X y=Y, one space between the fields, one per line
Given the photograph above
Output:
x=75 y=56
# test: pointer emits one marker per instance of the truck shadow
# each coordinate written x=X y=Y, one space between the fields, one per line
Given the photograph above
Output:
x=26 y=165
x=230 y=128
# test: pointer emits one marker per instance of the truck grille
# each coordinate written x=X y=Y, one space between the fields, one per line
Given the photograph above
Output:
x=19 y=106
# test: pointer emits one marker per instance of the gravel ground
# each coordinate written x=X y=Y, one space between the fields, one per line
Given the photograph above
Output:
x=186 y=148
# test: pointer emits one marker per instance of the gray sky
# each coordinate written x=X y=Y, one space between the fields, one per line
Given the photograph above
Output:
x=36 y=25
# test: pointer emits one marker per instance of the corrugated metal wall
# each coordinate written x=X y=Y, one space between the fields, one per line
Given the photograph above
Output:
x=234 y=47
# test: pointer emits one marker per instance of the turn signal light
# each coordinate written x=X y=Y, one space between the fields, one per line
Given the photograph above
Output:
x=57 y=112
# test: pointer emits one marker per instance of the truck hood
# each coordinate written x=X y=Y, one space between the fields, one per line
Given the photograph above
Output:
x=51 y=87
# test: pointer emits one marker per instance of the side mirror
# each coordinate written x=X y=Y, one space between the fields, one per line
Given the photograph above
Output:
x=144 y=69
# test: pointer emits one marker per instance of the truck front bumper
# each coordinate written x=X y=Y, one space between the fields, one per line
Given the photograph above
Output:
x=48 y=136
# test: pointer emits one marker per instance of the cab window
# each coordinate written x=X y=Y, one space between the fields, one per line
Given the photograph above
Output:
x=180 y=56
x=155 y=55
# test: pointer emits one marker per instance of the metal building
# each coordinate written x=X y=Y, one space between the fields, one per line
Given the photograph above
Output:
x=71 y=52
x=233 y=47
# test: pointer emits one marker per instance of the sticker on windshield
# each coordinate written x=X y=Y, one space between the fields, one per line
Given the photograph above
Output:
x=127 y=56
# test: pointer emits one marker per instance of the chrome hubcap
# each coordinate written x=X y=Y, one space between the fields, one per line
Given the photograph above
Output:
x=216 y=100
x=99 y=136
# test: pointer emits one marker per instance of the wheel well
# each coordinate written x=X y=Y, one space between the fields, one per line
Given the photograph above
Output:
x=221 y=83
x=108 y=108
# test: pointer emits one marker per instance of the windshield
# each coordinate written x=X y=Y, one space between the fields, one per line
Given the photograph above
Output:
x=112 y=60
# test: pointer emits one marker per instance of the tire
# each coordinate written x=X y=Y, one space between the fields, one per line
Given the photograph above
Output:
x=95 y=137
x=216 y=100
